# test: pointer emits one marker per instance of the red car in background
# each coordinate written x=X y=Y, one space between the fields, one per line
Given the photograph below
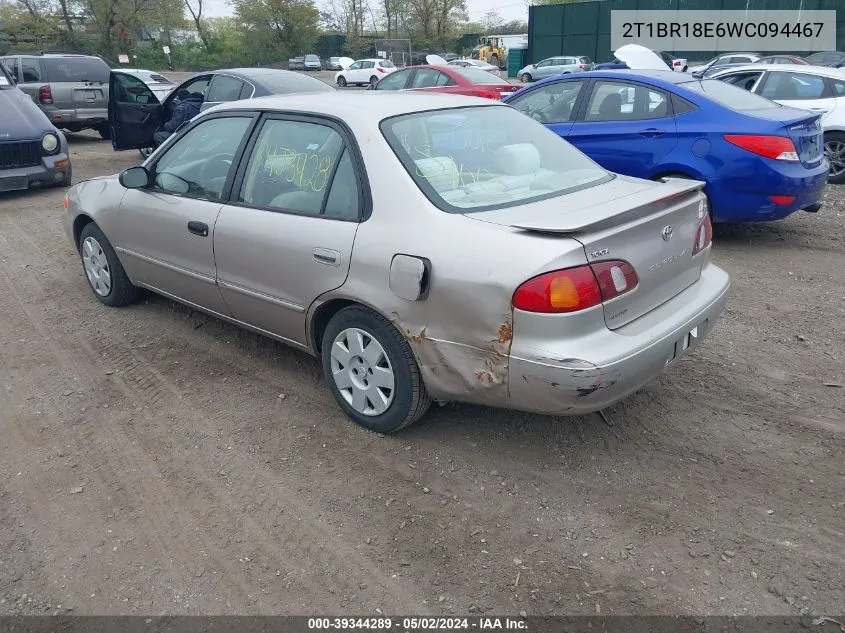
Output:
x=471 y=82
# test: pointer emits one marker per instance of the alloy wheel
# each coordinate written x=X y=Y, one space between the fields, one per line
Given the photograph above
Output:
x=834 y=151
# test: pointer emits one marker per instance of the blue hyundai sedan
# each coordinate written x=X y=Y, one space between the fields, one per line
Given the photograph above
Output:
x=761 y=161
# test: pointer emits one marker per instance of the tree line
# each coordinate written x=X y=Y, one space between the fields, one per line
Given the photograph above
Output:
x=258 y=32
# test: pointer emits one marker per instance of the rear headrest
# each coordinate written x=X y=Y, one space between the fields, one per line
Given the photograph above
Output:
x=440 y=171
x=517 y=159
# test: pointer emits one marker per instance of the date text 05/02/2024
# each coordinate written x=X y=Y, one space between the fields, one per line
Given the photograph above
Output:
x=409 y=624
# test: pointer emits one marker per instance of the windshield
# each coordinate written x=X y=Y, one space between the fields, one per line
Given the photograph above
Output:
x=478 y=76
x=481 y=158
x=729 y=95
x=311 y=58
x=76 y=69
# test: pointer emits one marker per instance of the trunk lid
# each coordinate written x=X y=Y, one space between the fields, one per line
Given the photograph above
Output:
x=807 y=137
x=652 y=226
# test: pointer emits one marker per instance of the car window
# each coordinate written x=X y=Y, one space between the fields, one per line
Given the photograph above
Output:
x=585 y=60
x=487 y=157
x=9 y=63
x=394 y=81
x=551 y=103
x=291 y=169
x=730 y=96
x=544 y=63
x=284 y=82
x=386 y=63
x=740 y=60
x=720 y=61
x=368 y=64
x=198 y=163
x=224 y=88
x=618 y=101
x=130 y=89
x=745 y=80
x=793 y=86
x=430 y=78
x=31 y=70
x=60 y=69
x=355 y=66
x=838 y=88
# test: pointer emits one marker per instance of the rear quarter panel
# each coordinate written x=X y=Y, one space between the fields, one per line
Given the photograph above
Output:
x=461 y=332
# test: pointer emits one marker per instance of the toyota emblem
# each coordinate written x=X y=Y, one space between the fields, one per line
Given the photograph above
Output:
x=667 y=233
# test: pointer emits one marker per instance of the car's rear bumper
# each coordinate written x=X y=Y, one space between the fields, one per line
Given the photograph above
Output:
x=577 y=375
x=747 y=199
x=51 y=171
x=83 y=117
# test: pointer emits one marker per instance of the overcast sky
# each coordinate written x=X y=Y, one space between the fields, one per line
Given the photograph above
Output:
x=508 y=9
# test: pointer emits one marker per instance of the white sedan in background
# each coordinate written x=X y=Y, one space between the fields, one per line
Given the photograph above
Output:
x=814 y=88
x=364 y=71
x=476 y=63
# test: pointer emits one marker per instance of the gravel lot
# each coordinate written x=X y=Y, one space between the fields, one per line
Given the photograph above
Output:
x=158 y=461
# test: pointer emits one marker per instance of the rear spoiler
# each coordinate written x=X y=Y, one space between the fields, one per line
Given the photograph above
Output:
x=591 y=218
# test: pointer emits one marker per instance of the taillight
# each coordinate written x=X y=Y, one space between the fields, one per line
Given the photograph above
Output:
x=703 y=235
x=574 y=289
x=45 y=95
x=776 y=147
x=488 y=94
x=380 y=69
x=582 y=66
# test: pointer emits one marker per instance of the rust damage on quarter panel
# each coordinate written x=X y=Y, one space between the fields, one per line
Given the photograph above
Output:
x=480 y=370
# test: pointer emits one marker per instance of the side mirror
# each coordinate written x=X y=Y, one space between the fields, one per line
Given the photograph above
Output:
x=135 y=177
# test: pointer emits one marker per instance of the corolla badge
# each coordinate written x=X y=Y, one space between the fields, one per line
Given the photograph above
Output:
x=667 y=233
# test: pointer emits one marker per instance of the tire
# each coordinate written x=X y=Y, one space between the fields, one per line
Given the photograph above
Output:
x=105 y=130
x=834 y=151
x=351 y=376
x=373 y=80
x=68 y=179
x=341 y=81
x=525 y=78
x=115 y=290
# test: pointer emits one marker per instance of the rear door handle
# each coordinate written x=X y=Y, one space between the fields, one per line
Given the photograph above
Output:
x=652 y=131
x=327 y=256
x=198 y=228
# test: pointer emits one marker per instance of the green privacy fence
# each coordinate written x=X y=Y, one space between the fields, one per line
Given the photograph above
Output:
x=583 y=28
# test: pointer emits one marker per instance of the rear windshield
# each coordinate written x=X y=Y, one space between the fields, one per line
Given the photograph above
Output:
x=730 y=95
x=76 y=69
x=292 y=82
x=386 y=63
x=478 y=76
x=483 y=158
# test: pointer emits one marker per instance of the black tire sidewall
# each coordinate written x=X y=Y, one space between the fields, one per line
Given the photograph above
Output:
x=122 y=291
x=839 y=136
x=341 y=81
x=397 y=413
x=526 y=78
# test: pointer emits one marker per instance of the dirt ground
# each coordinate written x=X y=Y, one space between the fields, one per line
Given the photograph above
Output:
x=157 y=461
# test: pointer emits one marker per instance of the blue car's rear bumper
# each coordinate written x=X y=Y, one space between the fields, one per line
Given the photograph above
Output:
x=745 y=197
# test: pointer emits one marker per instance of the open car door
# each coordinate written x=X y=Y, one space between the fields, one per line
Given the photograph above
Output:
x=134 y=112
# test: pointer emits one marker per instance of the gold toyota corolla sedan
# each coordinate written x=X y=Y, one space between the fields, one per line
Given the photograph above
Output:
x=425 y=247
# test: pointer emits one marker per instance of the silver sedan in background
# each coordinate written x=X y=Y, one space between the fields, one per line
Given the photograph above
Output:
x=489 y=262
